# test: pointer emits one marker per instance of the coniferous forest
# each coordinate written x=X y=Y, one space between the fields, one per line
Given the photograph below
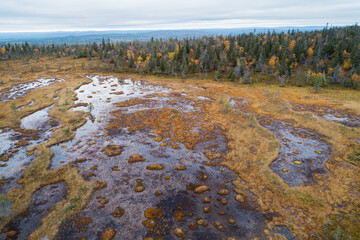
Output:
x=329 y=56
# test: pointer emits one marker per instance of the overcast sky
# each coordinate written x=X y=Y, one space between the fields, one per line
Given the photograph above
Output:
x=63 y=15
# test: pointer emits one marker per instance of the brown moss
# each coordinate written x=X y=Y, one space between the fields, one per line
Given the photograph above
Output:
x=223 y=192
x=179 y=215
x=108 y=234
x=211 y=155
x=83 y=221
x=180 y=168
x=153 y=213
x=118 y=212
x=155 y=167
x=113 y=150
x=100 y=185
x=133 y=102
x=136 y=158
x=80 y=160
x=201 y=189
x=21 y=143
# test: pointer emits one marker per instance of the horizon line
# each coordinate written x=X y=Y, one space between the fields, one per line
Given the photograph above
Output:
x=179 y=29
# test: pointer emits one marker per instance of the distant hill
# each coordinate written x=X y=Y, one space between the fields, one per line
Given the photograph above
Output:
x=139 y=35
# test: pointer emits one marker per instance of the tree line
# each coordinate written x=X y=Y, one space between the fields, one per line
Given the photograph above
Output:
x=320 y=57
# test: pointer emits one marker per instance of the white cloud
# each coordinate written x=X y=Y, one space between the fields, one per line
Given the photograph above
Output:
x=45 y=15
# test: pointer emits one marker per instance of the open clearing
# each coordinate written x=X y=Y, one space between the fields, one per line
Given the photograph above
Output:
x=86 y=154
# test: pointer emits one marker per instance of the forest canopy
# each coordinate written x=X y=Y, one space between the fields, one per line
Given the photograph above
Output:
x=331 y=55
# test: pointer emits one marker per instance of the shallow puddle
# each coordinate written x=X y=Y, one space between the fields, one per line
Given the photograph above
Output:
x=330 y=114
x=43 y=201
x=39 y=120
x=35 y=129
x=303 y=153
x=20 y=90
x=159 y=176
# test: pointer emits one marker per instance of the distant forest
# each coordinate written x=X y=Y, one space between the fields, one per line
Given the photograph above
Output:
x=320 y=57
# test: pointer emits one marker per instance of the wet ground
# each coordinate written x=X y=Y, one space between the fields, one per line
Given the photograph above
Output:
x=134 y=187
x=303 y=153
x=43 y=201
x=34 y=129
x=155 y=161
x=342 y=117
x=20 y=90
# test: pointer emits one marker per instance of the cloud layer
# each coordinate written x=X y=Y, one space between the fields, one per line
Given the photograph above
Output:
x=47 y=15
